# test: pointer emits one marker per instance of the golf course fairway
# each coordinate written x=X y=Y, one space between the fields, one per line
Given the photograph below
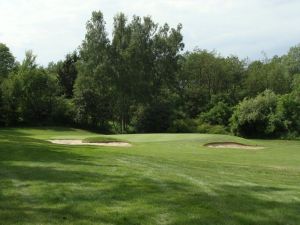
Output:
x=160 y=179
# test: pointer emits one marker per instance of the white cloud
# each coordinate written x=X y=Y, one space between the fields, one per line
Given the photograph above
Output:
x=245 y=28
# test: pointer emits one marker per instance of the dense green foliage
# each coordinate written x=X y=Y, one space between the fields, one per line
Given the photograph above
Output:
x=7 y=61
x=142 y=81
x=67 y=73
x=288 y=110
x=256 y=116
x=162 y=179
x=31 y=95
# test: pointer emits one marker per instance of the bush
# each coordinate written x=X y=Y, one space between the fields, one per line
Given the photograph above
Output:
x=183 y=126
x=256 y=117
x=288 y=111
x=155 y=117
x=11 y=93
x=211 y=129
x=217 y=115
x=39 y=92
x=64 y=111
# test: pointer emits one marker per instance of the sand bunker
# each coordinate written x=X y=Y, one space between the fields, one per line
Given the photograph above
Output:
x=79 y=142
x=232 y=145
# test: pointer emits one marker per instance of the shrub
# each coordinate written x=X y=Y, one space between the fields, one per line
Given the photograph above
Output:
x=211 y=129
x=63 y=111
x=256 y=117
x=217 y=115
x=183 y=126
x=39 y=92
x=288 y=110
x=155 y=117
x=11 y=93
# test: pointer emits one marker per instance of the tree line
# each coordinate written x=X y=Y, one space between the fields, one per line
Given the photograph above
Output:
x=141 y=80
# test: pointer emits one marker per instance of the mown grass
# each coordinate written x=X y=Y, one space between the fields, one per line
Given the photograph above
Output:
x=101 y=139
x=161 y=179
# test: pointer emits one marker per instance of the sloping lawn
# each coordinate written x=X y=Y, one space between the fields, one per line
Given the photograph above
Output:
x=161 y=179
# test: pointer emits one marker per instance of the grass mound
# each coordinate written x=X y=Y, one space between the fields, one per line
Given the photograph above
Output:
x=101 y=139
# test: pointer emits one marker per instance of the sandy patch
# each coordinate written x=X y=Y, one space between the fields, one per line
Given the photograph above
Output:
x=79 y=142
x=232 y=145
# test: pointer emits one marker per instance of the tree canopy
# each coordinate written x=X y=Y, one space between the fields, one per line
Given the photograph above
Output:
x=140 y=79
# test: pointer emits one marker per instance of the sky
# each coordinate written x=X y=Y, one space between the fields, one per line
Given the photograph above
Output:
x=246 y=28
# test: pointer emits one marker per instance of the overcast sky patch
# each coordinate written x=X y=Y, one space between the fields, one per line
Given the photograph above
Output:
x=244 y=28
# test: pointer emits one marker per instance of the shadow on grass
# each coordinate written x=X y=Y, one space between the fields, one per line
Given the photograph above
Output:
x=136 y=200
x=17 y=146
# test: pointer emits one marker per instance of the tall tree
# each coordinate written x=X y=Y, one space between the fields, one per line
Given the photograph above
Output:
x=67 y=73
x=205 y=74
x=140 y=56
x=7 y=60
x=123 y=82
x=39 y=90
x=93 y=86
x=292 y=60
x=29 y=94
x=167 y=48
x=145 y=61
x=272 y=75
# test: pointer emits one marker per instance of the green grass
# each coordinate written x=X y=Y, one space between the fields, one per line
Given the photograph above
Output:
x=162 y=179
x=101 y=139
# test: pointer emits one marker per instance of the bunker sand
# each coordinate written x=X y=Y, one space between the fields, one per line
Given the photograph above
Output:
x=79 y=142
x=232 y=145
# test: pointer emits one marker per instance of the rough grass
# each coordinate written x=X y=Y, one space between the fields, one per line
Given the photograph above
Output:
x=163 y=179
